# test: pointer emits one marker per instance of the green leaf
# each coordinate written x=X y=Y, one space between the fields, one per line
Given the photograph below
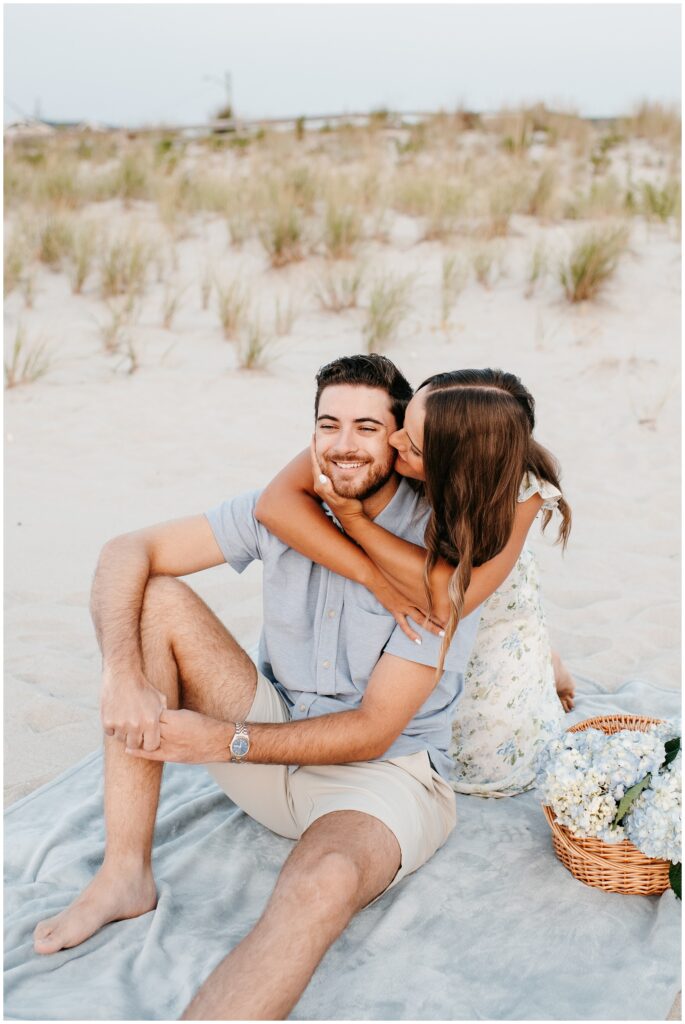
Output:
x=671 y=748
x=674 y=877
x=629 y=798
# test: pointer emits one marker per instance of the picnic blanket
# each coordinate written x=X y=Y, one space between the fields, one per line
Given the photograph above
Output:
x=493 y=927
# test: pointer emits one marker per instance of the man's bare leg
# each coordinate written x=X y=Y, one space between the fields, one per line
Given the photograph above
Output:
x=180 y=636
x=340 y=864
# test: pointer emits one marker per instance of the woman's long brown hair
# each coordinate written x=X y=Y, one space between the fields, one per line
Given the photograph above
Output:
x=477 y=445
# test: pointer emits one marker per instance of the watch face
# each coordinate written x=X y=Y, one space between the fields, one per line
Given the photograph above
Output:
x=240 y=746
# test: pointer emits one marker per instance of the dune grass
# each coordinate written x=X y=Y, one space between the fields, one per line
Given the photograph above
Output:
x=660 y=204
x=453 y=278
x=388 y=307
x=82 y=254
x=233 y=303
x=281 y=232
x=484 y=258
x=592 y=262
x=286 y=313
x=55 y=241
x=124 y=264
x=656 y=122
x=435 y=197
x=338 y=288
x=114 y=330
x=542 y=198
x=171 y=300
x=28 y=360
x=206 y=285
x=538 y=267
x=255 y=346
x=15 y=258
x=342 y=229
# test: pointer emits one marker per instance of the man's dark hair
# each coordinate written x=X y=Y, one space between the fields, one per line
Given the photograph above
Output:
x=372 y=371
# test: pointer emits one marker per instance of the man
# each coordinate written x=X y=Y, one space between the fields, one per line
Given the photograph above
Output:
x=324 y=744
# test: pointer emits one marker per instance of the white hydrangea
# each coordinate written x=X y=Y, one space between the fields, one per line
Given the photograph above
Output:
x=654 y=823
x=582 y=776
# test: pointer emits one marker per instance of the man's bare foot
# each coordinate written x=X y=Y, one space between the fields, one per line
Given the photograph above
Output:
x=111 y=896
x=564 y=682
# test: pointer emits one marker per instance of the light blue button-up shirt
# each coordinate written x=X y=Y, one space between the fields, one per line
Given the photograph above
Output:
x=323 y=634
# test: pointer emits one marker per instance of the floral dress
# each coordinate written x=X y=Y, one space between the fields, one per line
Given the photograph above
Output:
x=509 y=706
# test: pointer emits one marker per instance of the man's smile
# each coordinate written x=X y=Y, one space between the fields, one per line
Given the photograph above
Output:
x=346 y=464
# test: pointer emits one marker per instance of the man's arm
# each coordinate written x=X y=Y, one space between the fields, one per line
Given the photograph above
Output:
x=397 y=689
x=130 y=704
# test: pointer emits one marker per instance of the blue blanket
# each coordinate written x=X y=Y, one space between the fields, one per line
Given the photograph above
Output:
x=493 y=927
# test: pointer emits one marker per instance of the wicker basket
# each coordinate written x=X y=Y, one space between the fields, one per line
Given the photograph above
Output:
x=614 y=867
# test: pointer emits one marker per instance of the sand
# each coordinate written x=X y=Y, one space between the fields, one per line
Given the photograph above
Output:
x=92 y=451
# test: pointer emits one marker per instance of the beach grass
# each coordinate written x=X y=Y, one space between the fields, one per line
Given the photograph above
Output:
x=281 y=232
x=15 y=258
x=453 y=279
x=538 y=267
x=121 y=313
x=124 y=264
x=28 y=360
x=82 y=254
x=592 y=262
x=55 y=240
x=173 y=293
x=338 y=288
x=342 y=229
x=389 y=303
x=233 y=304
x=286 y=312
x=255 y=345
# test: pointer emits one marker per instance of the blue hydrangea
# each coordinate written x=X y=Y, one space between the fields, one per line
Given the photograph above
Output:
x=654 y=823
x=582 y=776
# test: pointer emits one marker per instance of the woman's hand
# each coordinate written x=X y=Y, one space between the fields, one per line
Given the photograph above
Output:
x=401 y=607
x=345 y=510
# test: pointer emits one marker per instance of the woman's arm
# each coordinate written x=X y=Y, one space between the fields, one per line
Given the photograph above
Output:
x=403 y=563
x=290 y=508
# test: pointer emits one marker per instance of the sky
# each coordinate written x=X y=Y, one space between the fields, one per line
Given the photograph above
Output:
x=138 y=64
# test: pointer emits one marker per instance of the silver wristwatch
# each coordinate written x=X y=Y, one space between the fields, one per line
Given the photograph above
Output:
x=240 y=744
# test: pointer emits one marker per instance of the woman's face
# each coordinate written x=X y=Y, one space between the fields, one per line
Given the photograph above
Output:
x=409 y=439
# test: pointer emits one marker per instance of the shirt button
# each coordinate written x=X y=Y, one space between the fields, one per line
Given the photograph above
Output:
x=326 y=663
x=303 y=707
x=331 y=614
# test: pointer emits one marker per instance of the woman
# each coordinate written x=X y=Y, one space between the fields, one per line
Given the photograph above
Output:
x=468 y=439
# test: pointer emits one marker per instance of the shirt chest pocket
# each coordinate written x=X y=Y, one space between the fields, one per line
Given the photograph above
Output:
x=366 y=634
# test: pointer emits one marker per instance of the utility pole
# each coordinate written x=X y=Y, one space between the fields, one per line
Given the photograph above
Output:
x=229 y=92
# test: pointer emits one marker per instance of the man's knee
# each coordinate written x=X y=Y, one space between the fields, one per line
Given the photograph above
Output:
x=163 y=595
x=325 y=884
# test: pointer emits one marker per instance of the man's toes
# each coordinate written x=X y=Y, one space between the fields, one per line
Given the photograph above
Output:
x=45 y=942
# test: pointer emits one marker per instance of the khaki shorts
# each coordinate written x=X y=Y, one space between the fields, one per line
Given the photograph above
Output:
x=405 y=793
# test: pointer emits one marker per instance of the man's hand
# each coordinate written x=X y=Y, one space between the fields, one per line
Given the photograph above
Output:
x=188 y=738
x=130 y=710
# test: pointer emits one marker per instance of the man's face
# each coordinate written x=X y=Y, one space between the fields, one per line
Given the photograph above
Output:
x=353 y=425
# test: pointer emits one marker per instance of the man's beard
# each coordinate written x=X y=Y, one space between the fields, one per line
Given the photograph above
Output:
x=370 y=483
